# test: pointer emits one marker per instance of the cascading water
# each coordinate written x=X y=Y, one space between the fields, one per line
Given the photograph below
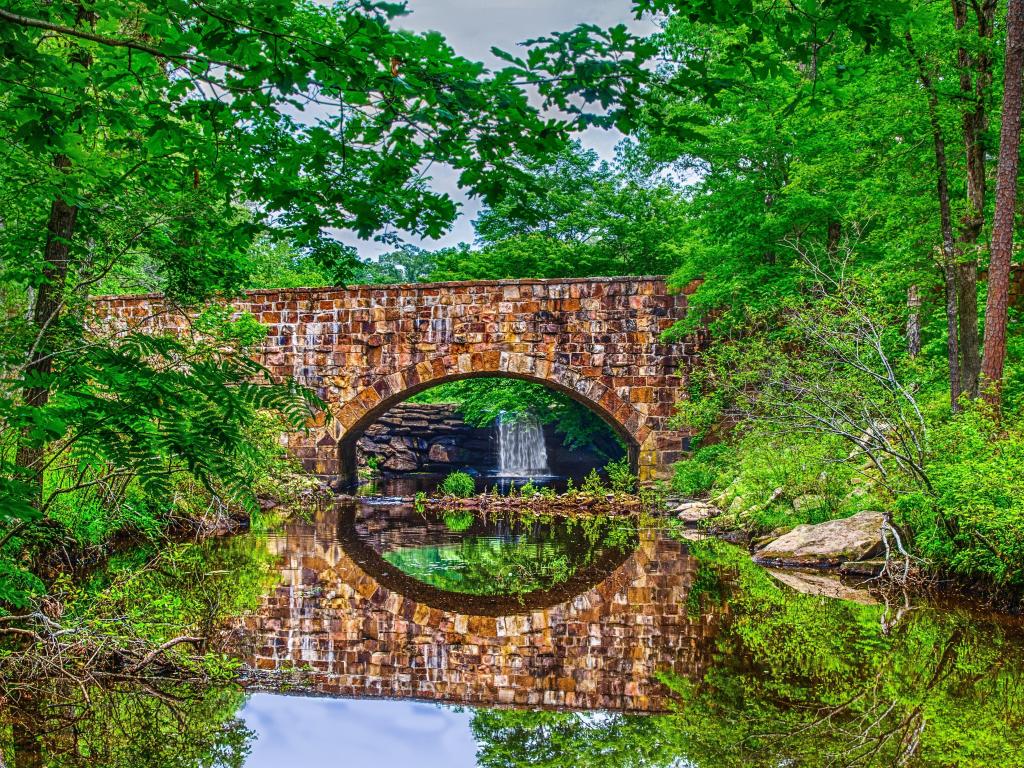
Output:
x=521 y=449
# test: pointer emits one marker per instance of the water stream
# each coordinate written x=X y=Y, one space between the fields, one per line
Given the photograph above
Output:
x=521 y=448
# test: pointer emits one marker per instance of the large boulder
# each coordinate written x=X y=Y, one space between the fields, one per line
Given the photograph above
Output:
x=827 y=544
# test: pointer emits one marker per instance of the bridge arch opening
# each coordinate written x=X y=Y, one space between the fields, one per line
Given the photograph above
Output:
x=357 y=416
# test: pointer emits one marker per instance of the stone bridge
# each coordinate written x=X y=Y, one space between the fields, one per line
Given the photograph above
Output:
x=366 y=348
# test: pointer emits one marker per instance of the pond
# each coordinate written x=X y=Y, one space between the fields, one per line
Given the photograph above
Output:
x=387 y=636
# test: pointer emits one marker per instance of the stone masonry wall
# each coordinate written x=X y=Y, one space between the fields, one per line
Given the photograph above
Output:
x=366 y=348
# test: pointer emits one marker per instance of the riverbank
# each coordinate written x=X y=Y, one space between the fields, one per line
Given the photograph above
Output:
x=865 y=549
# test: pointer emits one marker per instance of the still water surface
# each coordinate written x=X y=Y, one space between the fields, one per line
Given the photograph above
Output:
x=390 y=637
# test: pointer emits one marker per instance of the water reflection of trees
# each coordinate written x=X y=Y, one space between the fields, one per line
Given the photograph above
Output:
x=159 y=725
x=803 y=681
x=516 y=557
x=128 y=668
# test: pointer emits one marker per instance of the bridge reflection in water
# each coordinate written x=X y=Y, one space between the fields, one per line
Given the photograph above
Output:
x=360 y=627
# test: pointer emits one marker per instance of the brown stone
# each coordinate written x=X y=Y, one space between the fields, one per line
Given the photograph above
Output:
x=827 y=544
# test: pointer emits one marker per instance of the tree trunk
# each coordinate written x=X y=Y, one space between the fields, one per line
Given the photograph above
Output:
x=913 y=322
x=970 y=339
x=834 y=233
x=49 y=302
x=949 y=270
x=1001 y=250
x=973 y=222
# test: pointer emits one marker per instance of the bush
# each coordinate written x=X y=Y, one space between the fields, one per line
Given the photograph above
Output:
x=458 y=484
x=592 y=484
x=697 y=475
x=973 y=522
x=620 y=476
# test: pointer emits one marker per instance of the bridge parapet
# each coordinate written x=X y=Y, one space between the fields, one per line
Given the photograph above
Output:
x=365 y=348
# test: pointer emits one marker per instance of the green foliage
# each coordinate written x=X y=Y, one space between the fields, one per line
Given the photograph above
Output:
x=189 y=588
x=458 y=521
x=148 y=430
x=407 y=264
x=973 y=523
x=527 y=557
x=514 y=738
x=798 y=679
x=153 y=406
x=138 y=110
x=592 y=484
x=18 y=585
x=459 y=485
x=485 y=565
x=181 y=725
x=826 y=678
x=621 y=478
x=577 y=217
x=197 y=150
x=696 y=476
x=528 y=490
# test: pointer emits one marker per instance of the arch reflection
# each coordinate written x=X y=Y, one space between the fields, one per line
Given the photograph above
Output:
x=345 y=622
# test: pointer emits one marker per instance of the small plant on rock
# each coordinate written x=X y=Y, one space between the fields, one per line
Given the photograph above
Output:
x=593 y=485
x=621 y=476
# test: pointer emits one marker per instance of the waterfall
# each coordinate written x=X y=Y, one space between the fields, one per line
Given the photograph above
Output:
x=521 y=449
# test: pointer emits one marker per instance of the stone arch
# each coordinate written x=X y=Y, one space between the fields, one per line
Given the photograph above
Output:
x=352 y=418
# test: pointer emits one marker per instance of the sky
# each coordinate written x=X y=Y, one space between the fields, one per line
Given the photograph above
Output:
x=354 y=733
x=472 y=28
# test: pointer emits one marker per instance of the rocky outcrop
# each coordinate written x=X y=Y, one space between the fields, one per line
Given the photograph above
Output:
x=426 y=436
x=693 y=512
x=827 y=544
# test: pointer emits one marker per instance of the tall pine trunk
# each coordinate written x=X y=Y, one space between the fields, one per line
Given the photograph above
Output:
x=949 y=266
x=1001 y=250
x=45 y=315
x=974 y=122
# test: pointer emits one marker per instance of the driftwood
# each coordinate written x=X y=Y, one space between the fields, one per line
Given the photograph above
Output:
x=40 y=649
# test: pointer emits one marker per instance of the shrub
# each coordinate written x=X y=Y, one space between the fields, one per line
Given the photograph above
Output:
x=592 y=484
x=458 y=484
x=973 y=522
x=620 y=476
x=698 y=474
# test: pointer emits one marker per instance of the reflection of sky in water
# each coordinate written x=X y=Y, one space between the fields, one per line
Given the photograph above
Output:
x=296 y=731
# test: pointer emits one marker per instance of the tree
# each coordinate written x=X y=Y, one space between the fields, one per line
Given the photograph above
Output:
x=173 y=133
x=1001 y=252
x=801 y=62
